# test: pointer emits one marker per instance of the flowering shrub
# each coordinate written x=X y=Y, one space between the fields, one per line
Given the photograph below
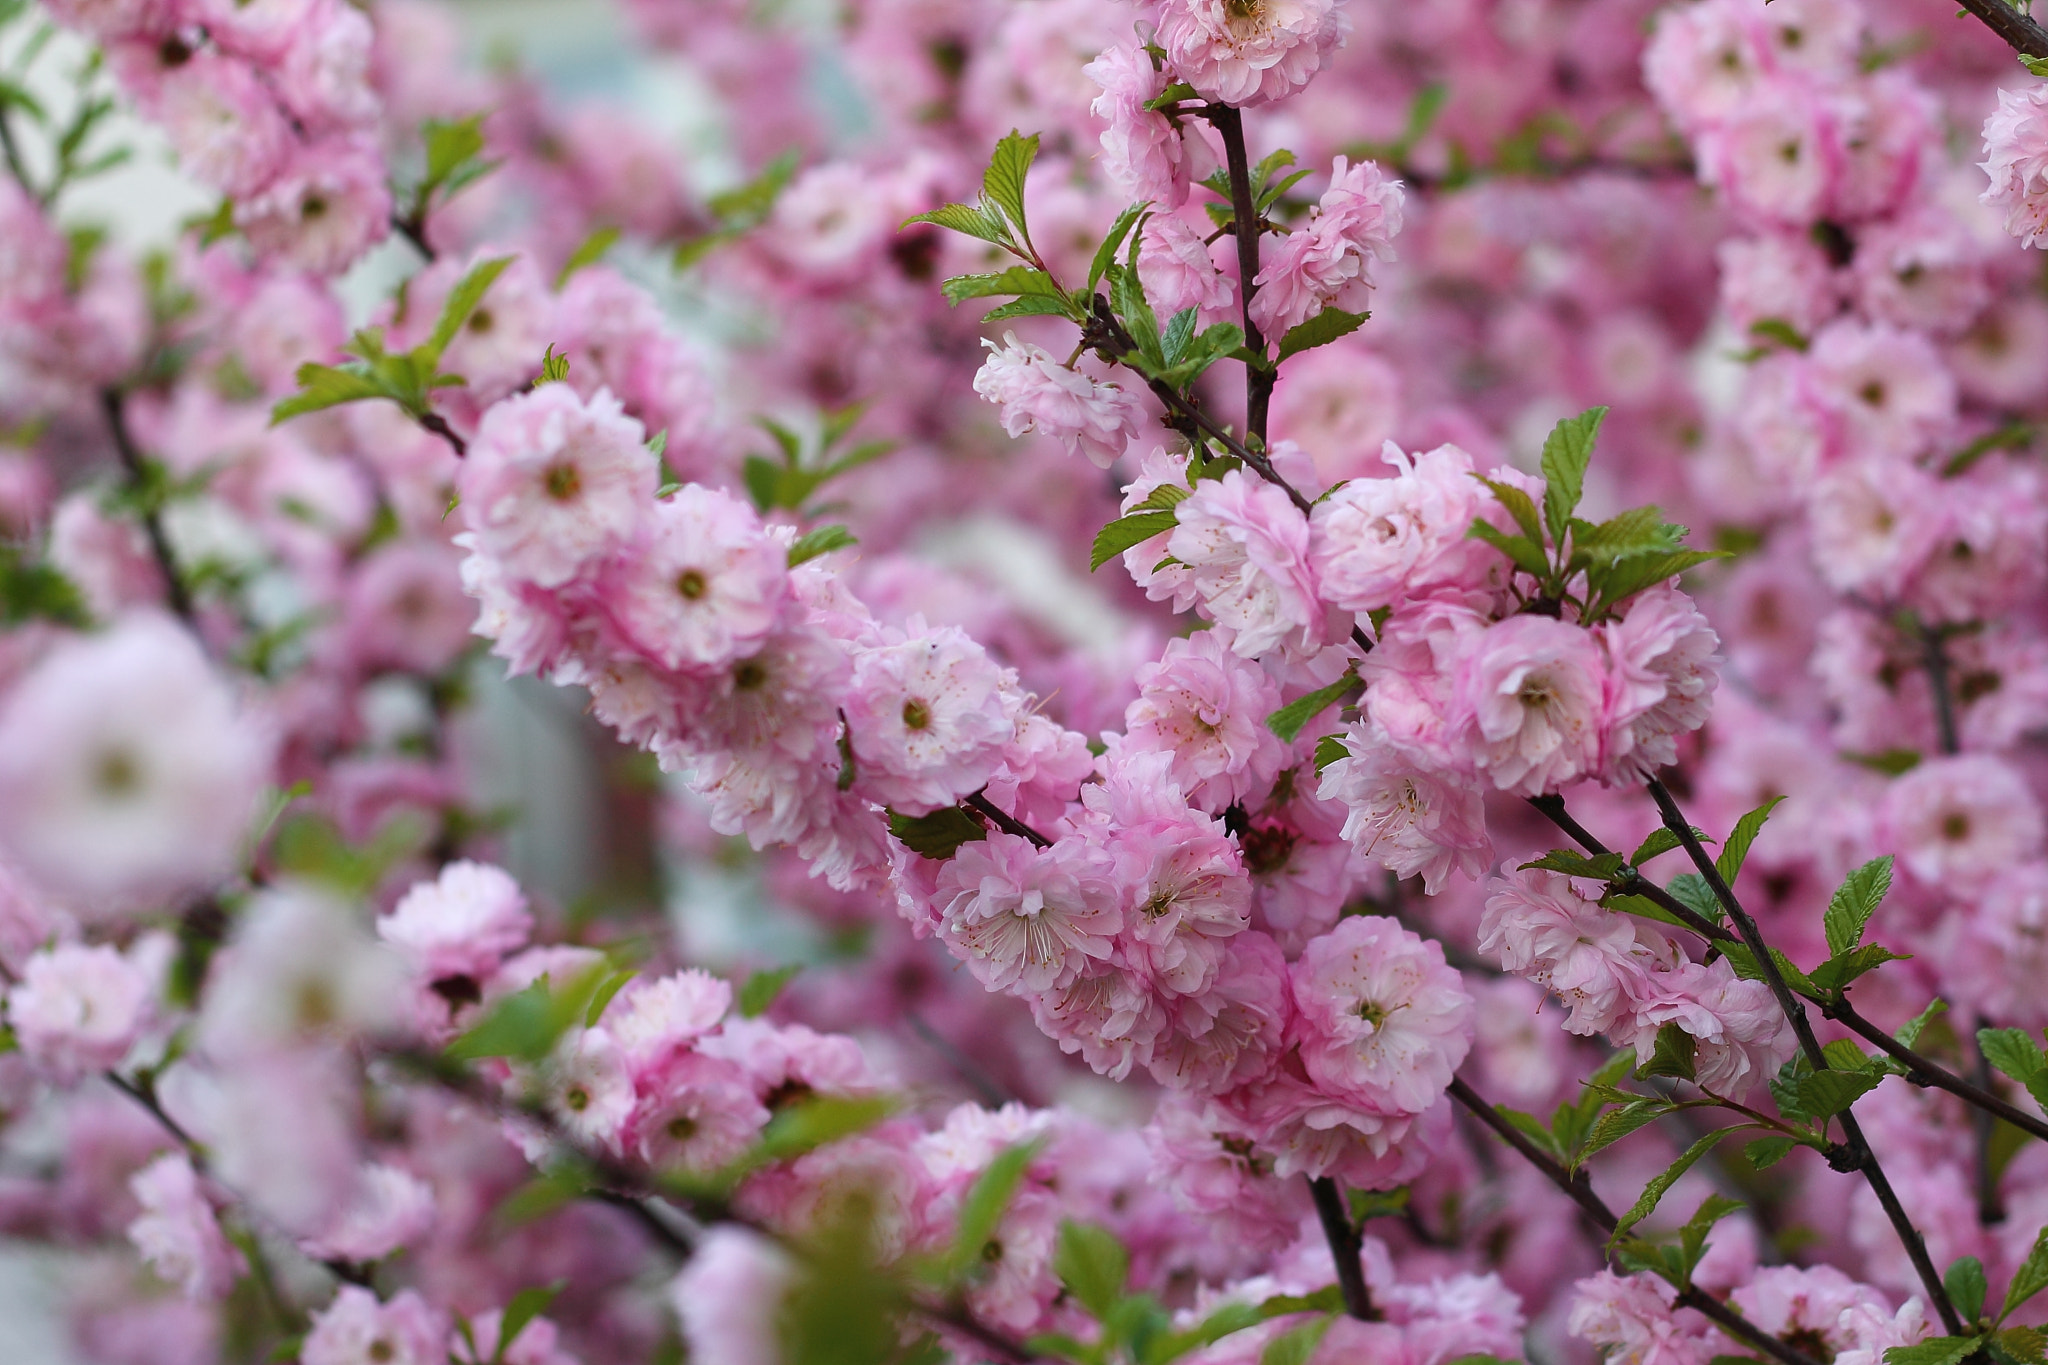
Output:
x=1437 y=910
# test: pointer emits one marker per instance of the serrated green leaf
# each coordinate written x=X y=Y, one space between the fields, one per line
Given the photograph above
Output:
x=1017 y=279
x=1003 y=183
x=823 y=540
x=1111 y=244
x=1320 y=330
x=1673 y=1055
x=1616 y=1124
x=449 y=143
x=2016 y=1054
x=1966 y=1285
x=980 y=221
x=1289 y=719
x=1032 y=306
x=1844 y=968
x=1566 y=453
x=1940 y=1351
x=1630 y=576
x=1528 y=1127
x=760 y=990
x=1523 y=552
x=2019 y=1346
x=1092 y=1264
x=589 y=251
x=938 y=835
x=1855 y=900
x=1665 y=1179
x=527 y=1024
x=1767 y=1152
x=1330 y=749
x=814 y=1122
x=987 y=1200
x=1164 y=498
x=1729 y=861
x=1572 y=863
x=1297 y=1345
x=327 y=386
x=1690 y=889
x=1518 y=506
x=747 y=204
x=1272 y=192
x=1825 y=1094
x=462 y=303
x=1126 y=532
x=526 y=1305
x=1180 y=330
x=2031 y=1277
x=1909 y=1032
x=1660 y=841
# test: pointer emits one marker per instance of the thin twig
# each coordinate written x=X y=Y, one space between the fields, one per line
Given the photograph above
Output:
x=1575 y=1184
x=1003 y=820
x=438 y=424
x=113 y=403
x=1934 y=657
x=1858 y=1154
x=1633 y=882
x=414 y=230
x=2019 y=31
x=1922 y=1071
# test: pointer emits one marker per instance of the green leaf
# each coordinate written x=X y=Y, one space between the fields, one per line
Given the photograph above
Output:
x=1673 y=1055
x=1519 y=507
x=589 y=252
x=602 y=996
x=1126 y=532
x=1617 y=1124
x=1909 y=1032
x=1692 y=1238
x=981 y=221
x=1843 y=968
x=1330 y=749
x=327 y=386
x=1966 y=1285
x=1320 y=330
x=811 y=1124
x=2012 y=1051
x=1780 y=331
x=1106 y=253
x=2031 y=1277
x=1855 y=900
x=986 y=1201
x=2019 y=1346
x=31 y=591
x=462 y=302
x=1526 y=554
x=1655 y=1190
x=1180 y=330
x=1690 y=889
x=553 y=368
x=1572 y=863
x=2037 y=65
x=1528 y=1127
x=747 y=204
x=1660 y=841
x=1825 y=1094
x=1003 y=183
x=938 y=835
x=1638 y=531
x=1092 y=1264
x=526 y=1025
x=1566 y=453
x=1736 y=849
x=761 y=989
x=1940 y=1351
x=1297 y=1345
x=1631 y=576
x=526 y=1305
x=1288 y=720
x=1033 y=306
x=1018 y=279
x=450 y=143
x=822 y=541
x=1767 y=1152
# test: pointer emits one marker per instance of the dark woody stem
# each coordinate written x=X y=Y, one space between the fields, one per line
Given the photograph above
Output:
x=2019 y=31
x=438 y=424
x=1857 y=1154
x=1346 y=1242
x=1246 y=226
x=114 y=405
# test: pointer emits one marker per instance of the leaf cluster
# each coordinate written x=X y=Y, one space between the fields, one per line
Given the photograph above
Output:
x=800 y=467
x=1969 y=1289
x=739 y=210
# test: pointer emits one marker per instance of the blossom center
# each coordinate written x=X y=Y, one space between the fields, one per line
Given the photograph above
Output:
x=563 y=481
x=117 y=774
x=682 y=1128
x=748 y=675
x=578 y=1099
x=916 y=715
x=690 y=583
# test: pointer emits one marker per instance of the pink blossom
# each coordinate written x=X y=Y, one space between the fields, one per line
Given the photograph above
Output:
x=1662 y=675
x=1893 y=394
x=79 y=1009
x=1249 y=55
x=227 y=128
x=1143 y=151
x=1212 y=1178
x=1811 y=1301
x=928 y=718
x=657 y=1019
x=1207 y=708
x=1327 y=261
x=1175 y=265
x=1598 y=961
x=327 y=206
x=1107 y=1015
x=789 y=1060
x=356 y=1329
x=1037 y=393
x=1632 y=1320
x=1381 y=1021
x=1874 y=523
x=694 y=1113
x=2016 y=160
x=705 y=586
x=461 y=924
x=1923 y=269
x=1231 y=1033
x=1704 y=63
x=1246 y=546
x=1408 y=820
x=1186 y=893
x=1411 y=684
x=552 y=483
x=1959 y=821
x=1028 y=918
x=1776 y=156
x=1531 y=694
x=1308 y=1133
x=1741 y=1036
x=730 y=1295
x=177 y=1232
x=1382 y=542
x=391 y=1209
x=406 y=608
x=1778 y=275
x=128 y=771
x=1992 y=955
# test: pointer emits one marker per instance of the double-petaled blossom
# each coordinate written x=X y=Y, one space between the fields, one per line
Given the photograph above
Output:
x=1327 y=262
x=1091 y=417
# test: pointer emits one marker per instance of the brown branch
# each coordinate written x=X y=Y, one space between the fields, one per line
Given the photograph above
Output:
x=1245 y=225
x=1922 y=1071
x=114 y=405
x=1632 y=881
x=1003 y=820
x=1346 y=1244
x=2019 y=31
x=438 y=424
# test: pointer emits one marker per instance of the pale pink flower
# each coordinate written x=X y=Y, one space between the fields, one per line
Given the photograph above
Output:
x=655 y=1019
x=79 y=1009
x=391 y=1208
x=1247 y=546
x=1993 y=954
x=552 y=484
x=695 y=1113
x=587 y=1087
x=705 y=586
x=1327 y=261
x=1704 y=63
x=1379 y=542
x=782 y=1060
x=1411 y=683
x=462 y=924
x=1531 y=694
x=128 y=772
x=1923 y=269
x=1410 y=821
x=1027 y=918
x=1144 y=154
x=177 y=1233
x=1110 y=1017
x=1958 y=821
x=1186 y=894
x=1380 y=1019
x=1989 y=556
x=1308 y=1133
x=1810 y=1301
x=1207 y=708
x=1874 y=523
x=1233 y=1032
x=1037 y=393
x=1776 y=156
x=731 y=1297
x=1662 y=664
x=1632 y=1320
x=1779 y=275
x=1740 y=1035
x=1214 y=1178
x=928 y=718
x=1893 y=394
x=327 y=205
x=1599 y=962
x=406 y=608
x=1177 y=271
x=2016 y=160
x=228 y=130
x=355 y=1329
x=1249 y=54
